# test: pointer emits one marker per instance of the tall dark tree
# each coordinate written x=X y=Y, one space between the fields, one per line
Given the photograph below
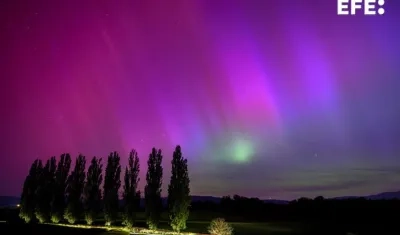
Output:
x=131 y=194
x=178 y=192
x=112 y=183
x=153 y=204
x=45 y=191
x=28 y=197
x=92 y=191
x=60 y=185
x=74 y=190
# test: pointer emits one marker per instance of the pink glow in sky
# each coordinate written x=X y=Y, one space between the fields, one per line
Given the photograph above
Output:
x=267 y=98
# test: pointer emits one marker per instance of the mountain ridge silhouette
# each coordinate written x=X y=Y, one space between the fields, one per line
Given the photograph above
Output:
x=13 y=201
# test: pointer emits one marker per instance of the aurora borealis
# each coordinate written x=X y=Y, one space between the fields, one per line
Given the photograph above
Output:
x=277 y=99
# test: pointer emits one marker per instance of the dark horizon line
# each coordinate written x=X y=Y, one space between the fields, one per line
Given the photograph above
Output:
x=275 y=199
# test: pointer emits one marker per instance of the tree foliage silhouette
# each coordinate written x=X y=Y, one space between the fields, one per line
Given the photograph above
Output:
x=131 y=193
x=92 y=191
x=112 y=183
x=45 y=191
x=28 y=197
x=74 y=190
x=153 y=204
x=60 y=185
x=178 y=192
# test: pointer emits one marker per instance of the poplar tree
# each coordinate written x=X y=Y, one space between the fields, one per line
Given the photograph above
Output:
x=131 y=194
x=92 y=190
x=28 y=197
x=178 y=192
x=45 y=190
x=60 y=185
x=74 y=190
x=112 y=183
x=153 y=203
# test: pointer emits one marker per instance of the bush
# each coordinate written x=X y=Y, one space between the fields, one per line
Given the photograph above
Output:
x=220 y=227
x=56 y=218
x=178 y=222
x=89 y=217
x=26 y=217
x=70 y=216
x=41 y=216
x=127 y=220
x=153 y=225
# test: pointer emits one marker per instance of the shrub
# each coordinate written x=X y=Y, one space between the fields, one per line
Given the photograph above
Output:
x=41 y=216
x=56 y=218
x=89 y=218
x=70 y=216
x=153 y=225
x=128 y=221
x=220 y=227
x=26 y=217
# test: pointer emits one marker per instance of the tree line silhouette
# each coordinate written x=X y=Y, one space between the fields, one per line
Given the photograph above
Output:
x=51 y=192
x=352 y=210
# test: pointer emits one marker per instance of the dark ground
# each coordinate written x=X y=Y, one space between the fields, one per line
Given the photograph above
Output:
x=36 y=229
x=240 y=229
x=11 y=224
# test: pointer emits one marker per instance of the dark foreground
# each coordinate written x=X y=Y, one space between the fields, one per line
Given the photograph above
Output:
x=240 y=229
x=50 y=230
x=11 y=224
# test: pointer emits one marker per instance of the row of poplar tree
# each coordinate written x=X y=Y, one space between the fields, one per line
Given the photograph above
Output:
x=51 y=192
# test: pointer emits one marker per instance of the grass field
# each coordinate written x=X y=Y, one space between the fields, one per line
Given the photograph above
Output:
x=13 y=229
x=201 y=227
x=198 y=227
x=198 y=224
x=239 y=228
x=242 y=228
x=195 y=227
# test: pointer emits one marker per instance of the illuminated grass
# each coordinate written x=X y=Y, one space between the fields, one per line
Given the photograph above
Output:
x=134 y=230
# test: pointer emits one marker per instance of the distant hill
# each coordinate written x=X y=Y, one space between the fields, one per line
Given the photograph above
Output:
x=345 y=197
x=9 y=201
x=218 y=200
x=380 y=196
x=385 y=196
x=275 y=201
x=206 y=198
x=13 y=201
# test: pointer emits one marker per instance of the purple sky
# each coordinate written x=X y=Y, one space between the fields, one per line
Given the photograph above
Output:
x=276 y=98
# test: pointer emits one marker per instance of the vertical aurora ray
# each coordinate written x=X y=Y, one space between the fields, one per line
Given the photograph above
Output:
x=251 y=98
x=286 y=92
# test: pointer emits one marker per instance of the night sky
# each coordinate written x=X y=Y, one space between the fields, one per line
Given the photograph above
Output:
x=268 y=98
